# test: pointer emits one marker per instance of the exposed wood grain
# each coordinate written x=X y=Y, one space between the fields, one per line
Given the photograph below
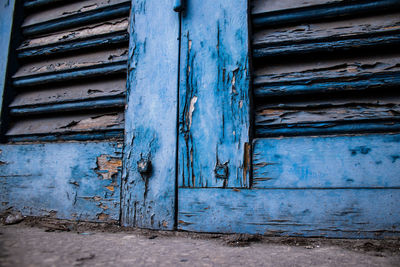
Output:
x=81 y=60
x=332 y=29
x=78 y=19
x=323 y=12
x=77 y=34
x=72 y=92
x=67 y=9
x=214 y=95
x=375 y=41
x=94 y=42
x=261 y=6
x=340 y=213
x=308 y=67
x=148 y=200
x=67 y=123
x=360 y=109
x=79 y=73
x=369 y=161
x=82 y=183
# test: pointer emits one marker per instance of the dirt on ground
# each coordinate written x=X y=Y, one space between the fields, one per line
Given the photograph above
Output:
x=50 y=242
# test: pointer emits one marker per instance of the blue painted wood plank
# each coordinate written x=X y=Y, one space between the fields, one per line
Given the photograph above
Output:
x=6 y=22
x=148 y=199
x=214 y=95
x=341 y=213
x=321 y=12
x=370 y=161
x=78 y=181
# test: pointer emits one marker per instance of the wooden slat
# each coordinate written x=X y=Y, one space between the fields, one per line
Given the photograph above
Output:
x=82 y=105
x=76 y=34
x=329 y=128
x=31 y=4
x=76 y=181
x=326 y=66
x=336 y=29
x=325 y=114
x=79 y=19
x=371 y=161
x=383 y=81
x=67 y=123
x=94 y=42
x=340 y=213
x=378 y=41
x=262 y=6
x=323 y=12
x=104 y=134
x=93 y=71
x=75 y=61
x=65 y=9
x=81 y=90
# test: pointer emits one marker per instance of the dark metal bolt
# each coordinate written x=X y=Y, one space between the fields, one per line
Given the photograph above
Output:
x=144 y=166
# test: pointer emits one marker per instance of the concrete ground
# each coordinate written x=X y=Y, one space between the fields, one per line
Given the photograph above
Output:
x=42 y=243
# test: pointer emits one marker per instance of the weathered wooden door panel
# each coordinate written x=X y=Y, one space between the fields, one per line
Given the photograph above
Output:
x=362 y=213
x=76 y=181
x=326 y=148
x=148 y=196
x=214 y=97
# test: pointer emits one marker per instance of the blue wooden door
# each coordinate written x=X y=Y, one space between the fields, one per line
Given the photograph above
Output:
x=310 y=145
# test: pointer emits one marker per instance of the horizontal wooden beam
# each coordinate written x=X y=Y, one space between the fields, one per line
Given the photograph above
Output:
x=84 y=18
x=326 y=45
x=82 y=136
x=340 y=213
x=93 y=42
x=93 y=71
x=320 y=12
x=327 y=128
x=331 y=85
x=118 y=102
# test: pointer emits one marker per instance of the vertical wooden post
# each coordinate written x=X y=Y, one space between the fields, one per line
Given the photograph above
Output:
x=6 y=23
x=148 y=186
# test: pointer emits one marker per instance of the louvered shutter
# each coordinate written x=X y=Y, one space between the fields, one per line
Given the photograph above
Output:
x=71 y=76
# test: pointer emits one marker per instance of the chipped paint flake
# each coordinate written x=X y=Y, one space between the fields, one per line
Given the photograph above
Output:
x=191 y=110
x=108 y=167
